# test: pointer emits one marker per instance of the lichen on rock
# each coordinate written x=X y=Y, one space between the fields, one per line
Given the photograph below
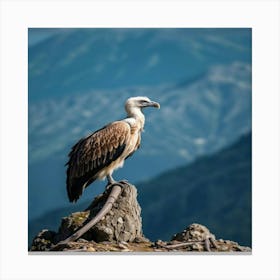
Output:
x=123 y=223
x=194 y=232
x=120 y=230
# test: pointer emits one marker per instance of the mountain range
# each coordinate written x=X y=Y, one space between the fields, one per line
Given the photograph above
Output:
x=78 y=60
x=214 y=190
x=79 y=79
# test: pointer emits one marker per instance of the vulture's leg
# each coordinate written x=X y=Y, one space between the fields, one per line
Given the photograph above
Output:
x=111 y=180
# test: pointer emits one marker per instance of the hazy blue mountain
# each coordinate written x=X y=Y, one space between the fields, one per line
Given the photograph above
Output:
x=80 y=78
x=214 y=190
x=78 y=60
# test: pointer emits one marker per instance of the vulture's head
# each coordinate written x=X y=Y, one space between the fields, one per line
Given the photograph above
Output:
x=140 y=102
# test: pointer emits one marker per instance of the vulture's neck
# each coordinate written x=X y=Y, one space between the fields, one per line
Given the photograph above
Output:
x=136 y=113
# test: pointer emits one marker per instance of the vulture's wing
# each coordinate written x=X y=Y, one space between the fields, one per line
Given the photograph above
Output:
x=93 y=153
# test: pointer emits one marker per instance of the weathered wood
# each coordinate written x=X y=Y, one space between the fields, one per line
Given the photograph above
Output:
x=116 y=190
x=115 y=215
x=120 y=230
x=206 y=244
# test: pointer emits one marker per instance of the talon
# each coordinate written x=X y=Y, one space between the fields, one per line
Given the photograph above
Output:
x=121 y=184
x=108 y=186
x=124 y=182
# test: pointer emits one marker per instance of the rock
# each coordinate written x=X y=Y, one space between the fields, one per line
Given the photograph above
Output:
x=91 y=249
x=197 y=237
x=121 y=231
x=194 y=232
x=43 y=241
x=198 y=247
x=122 y=246
x=125 y=224
x=122 y=223
x=71 y=224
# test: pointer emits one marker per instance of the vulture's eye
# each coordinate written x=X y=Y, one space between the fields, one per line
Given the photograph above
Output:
x=144 y=102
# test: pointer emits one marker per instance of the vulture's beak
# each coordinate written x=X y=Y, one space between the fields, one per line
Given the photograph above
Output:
x=154 y=104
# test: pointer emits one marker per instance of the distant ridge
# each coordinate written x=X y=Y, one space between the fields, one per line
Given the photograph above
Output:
x=214 y=190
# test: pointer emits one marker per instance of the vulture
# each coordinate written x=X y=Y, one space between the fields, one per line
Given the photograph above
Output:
x=100 y=153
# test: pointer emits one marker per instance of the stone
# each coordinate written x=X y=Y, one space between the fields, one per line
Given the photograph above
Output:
x=121 y=231
x=91 y=249
x=194 y=232
x=43 y=241
x=125 y=224
x=122 y=223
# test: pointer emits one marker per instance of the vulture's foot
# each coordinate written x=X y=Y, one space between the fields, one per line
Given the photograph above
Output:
x=121 y=184
x=124 y=182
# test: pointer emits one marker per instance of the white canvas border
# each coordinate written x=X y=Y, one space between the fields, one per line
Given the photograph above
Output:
x=17 y=16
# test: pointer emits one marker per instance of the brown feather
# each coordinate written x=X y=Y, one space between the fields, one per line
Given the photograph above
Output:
x=91 y=154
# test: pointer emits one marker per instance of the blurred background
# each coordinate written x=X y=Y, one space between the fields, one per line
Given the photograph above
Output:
x=194 y=164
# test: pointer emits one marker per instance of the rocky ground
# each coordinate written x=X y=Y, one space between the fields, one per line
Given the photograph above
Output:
x=195 y=238
x=120 y=230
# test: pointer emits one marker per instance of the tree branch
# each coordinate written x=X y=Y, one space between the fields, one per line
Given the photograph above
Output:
x=114 y=194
